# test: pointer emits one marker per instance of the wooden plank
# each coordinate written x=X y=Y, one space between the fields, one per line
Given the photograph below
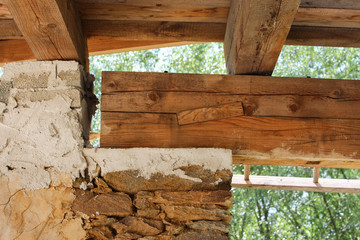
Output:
x=210 y=113
x=52 y=28
x=155 y=31
x=261 y=106
x=256 y=31
x=14 y=50
x=340 y=4
x=155 y=10
x=326 y=17
x=278 y=159
x=316 y=175
x=4 y=12
x=114 y=82
x=98 y=46
x=9 y=30
x=247 y=169
x=324 y=36
x=297 y=184
x=325 y=138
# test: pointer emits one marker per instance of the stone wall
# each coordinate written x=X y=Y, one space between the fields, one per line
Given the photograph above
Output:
x=51 y=187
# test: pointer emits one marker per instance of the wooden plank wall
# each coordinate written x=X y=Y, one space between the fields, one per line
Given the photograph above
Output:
x=288 y=117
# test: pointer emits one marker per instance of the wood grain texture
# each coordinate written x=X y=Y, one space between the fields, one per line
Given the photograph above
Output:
x=114 y=82
x=272 y=159
x=256 y=31
x=4 y=12
x=52 y=28
x=324 y=36
x=340 y=4
x=300 y=137
x=9 y=30
x=155 y=31
x=297 y=184
x=325 y=17
x=155 y=10
x=211 y=113
x=261 y=106
x=15 y=50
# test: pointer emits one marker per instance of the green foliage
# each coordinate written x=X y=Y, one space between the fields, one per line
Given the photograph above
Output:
x=264 y=214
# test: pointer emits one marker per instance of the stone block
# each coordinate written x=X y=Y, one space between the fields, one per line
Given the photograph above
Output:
x=210 y=225
x=74 y=94
x=142 y=226
x=109 y=204
x=5 y=87
x=188 y=213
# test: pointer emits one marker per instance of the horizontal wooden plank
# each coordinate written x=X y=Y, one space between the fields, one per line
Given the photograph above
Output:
x=326 y=17
x=15 y=50
x=155 y=31
x=324 y=36
x=210 y=113
x=270 y=106
x=340 y=4
x=114 y=82
x=9 y=30
x=277 y=159
x=4 y=12
x=301 y=137
x=297 y=184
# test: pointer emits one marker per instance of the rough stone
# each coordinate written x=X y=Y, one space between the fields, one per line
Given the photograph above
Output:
x=188 y=213
x=74 y=94
x=210 y=225
x=25 y=81
x=130 y=182
x=143 y=226
x=144 y=200
x=221 y=198
x=37 y=214
x=100 y=233
x=5 y=87
x=208 y=235
x=101 y=186
x=149 y=213
x=72 y=78
x=109 y=204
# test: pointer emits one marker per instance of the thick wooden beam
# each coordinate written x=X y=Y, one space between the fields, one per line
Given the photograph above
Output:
x=324 y=36
x=51 y=28
x=279 y=159
x=15 y=50
x=4 y=11
x=155 y=31
x=256 y=31
x=339 y=4
x=297 y=184
x=9 y=30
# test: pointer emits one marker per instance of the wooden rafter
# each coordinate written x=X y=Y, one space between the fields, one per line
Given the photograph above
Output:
x=297 y=184
x=256 y=31
x=51 y=28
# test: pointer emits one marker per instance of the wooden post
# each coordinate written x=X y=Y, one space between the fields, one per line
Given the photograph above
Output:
x=316 y=174
x=247 y=172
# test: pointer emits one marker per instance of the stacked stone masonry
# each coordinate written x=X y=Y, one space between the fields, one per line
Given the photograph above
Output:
x=51 y=187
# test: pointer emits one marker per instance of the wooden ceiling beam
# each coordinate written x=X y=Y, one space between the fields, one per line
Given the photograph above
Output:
x=297 y=184
x=51 y=28
x=256 y=31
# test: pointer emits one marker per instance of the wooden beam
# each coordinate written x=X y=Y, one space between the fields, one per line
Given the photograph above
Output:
x=297 y=184
x=4 y=12
x=339 y=4
x=247 y=169
x=52 y=28
x=154 y=31
x=279 y=159
x=256 y=31
x=316 y=175
x=327 y=17
x=324 y=36
x=14 y=50
x=9 y=30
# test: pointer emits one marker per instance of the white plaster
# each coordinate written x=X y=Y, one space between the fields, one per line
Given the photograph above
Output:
x=36 y=68
x=149 y=161
x=42 y=135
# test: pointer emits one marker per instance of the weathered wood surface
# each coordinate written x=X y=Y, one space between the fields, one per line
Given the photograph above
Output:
x=282 y=159
x=324 y=36
x=211 y=113
x=340 y=4
x=256 y=31
x=325 y=17
x=300 y=137
x=15 y=50
x=303 y=117
x=297 y=184
x=155 y=31
x=9 y=30
x=51 y=28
